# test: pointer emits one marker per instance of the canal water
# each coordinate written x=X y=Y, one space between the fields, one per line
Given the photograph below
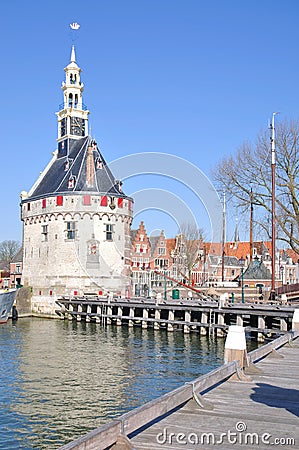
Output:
x=61 y=379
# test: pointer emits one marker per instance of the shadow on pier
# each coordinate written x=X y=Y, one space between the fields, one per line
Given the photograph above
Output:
x=277 y=397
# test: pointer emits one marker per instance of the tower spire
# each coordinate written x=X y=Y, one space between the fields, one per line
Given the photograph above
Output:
x=73 y=54
x=73 y=114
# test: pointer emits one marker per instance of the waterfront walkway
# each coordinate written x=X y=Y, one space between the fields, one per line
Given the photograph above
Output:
x=259 y=412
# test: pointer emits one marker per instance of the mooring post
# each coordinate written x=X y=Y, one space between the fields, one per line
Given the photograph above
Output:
x=295 y=320
x=131 y=314
x=188 y=320
x=79 y=311
x=235 y=350
x=204 y=319
x=157 y=319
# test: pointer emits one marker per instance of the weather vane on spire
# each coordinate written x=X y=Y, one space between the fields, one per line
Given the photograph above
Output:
x=74 y=27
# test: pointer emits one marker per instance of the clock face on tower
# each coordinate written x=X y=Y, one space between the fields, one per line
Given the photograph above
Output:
x=77 y=126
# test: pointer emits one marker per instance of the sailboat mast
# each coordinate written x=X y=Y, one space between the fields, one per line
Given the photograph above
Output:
x=223 y=236
x=273 y=243
x=251 y=228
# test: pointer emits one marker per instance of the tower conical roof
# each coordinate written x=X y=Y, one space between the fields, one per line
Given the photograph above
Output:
x=55 y=180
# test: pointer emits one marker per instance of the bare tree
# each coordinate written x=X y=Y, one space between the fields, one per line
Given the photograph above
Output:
x=8 y=249
x=249 y=173
x=187 y=250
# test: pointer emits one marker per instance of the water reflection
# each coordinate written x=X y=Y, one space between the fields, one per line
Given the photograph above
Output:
x=60 y=379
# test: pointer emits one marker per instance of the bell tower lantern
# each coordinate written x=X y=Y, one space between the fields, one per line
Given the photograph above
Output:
x=73 y=114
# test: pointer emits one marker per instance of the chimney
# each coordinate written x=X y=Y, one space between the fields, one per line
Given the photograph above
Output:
x=90 y=171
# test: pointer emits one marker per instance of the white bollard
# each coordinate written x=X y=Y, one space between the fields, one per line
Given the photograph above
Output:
x=295 y=320
x=223 y=300
x=235 y=345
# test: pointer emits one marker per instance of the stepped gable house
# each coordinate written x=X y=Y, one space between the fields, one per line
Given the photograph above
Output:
x=76 y=219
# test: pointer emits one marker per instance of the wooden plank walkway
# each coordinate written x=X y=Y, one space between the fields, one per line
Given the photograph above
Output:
x=215 y=411
x=260 y=414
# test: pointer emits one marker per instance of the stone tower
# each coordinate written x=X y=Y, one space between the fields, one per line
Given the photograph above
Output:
x=76 y=219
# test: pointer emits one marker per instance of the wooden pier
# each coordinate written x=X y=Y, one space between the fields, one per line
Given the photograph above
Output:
x=258 y=410
x=204 y=317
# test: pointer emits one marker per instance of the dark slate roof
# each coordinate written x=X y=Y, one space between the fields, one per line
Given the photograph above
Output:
x=228 y=261
x=257 y=271
x=133 y=234
x=56 y=178
x=154 y=240
x=18 y=256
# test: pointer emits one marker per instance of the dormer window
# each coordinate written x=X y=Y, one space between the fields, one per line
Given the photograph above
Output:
x=99 y=164
x=71 y=183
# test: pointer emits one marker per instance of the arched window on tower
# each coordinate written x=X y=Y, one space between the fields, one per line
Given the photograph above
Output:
x=70 y=100
x=76 y=101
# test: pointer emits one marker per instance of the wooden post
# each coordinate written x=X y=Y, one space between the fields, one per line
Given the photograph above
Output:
x=157 y=317
x=71 y=309
x=79 y=315
x=99 y=313
x=235 y=346
x=119 y=313
x=145 y=316
x=295 y=321
x=170 y=317
x=220 y=321
x=131 y=314
x=261 y=323
x=109 y=312
x=239 y=320
x=187 y=319
x=283 y=325
x=88 y=311
x=204 y=319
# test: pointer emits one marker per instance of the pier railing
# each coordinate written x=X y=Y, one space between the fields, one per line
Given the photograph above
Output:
x=106 y=436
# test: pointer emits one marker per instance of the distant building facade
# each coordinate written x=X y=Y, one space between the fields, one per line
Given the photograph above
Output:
x=76 y=219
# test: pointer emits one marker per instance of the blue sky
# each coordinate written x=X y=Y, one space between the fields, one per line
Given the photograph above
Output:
x=190 y=78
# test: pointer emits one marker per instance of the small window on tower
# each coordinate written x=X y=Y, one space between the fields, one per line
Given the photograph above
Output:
x=44 y=233
x=71 y=183
x=99 y=163
x=70 y=230
x=109 y=232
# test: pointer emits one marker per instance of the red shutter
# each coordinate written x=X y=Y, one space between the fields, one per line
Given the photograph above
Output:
x=120 y=202
x=44 y=203
x=104 y=201
x=59 y=200
x=86 y=200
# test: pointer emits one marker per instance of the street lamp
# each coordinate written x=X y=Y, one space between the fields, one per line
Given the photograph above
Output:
x=281 y=272
x=242 y=262
x=165 y=286
x=149 y=292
